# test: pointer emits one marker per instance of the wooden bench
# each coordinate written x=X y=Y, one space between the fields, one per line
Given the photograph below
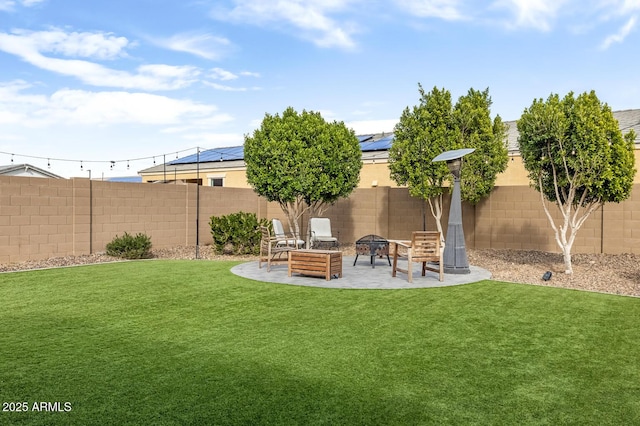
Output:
x=318 y=263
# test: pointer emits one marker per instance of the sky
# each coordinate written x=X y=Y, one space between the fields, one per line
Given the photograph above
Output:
x=107 y=88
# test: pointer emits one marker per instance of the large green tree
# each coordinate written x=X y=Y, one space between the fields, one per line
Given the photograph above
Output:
x=475 y=129
x=434 y=126
x=302 y=162
x=577 y=158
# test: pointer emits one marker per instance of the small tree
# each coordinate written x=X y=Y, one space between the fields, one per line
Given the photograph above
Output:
x=423 y=133
x=577 y=158
x=302 y=162
x=434 y=126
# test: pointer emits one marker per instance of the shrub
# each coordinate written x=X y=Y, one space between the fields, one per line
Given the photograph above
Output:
x=130 y=247
x=237 y=233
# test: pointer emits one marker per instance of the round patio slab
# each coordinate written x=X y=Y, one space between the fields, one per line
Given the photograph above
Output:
x=360 y=276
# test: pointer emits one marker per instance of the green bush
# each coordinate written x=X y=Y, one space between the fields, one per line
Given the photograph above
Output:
x=237 y=233
x=130 y=247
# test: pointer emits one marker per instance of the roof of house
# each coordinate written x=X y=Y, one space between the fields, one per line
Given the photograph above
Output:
x=26 y=170
x=373 y=146
x=130 y=179
x=627 y=119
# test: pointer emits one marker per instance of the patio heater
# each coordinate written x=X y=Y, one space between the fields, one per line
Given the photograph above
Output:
x=455 y=253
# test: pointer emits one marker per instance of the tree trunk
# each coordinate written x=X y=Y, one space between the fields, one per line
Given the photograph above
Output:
x=566 y=252
x=435 y=204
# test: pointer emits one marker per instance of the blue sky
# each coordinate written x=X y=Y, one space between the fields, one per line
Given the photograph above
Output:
x=100 y=81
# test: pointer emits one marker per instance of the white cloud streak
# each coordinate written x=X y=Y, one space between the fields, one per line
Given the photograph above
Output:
x=204 y=45
x=29 y=47
x=221 y=74
x=310 y=20
x=80 y=107
x=10 y=5
x=536 y=14
x=449 y=10
x=621 y=34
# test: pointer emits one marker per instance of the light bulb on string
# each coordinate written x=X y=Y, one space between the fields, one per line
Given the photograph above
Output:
x=48 y=163
x=11 y=158
x=127 y=164
x=154 y=161
x=113 y=163
x=81 y=166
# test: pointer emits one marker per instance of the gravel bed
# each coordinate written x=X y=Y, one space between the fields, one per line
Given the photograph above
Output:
x=615 y=274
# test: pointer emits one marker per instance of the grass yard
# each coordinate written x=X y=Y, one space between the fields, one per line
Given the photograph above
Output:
x=187 y=342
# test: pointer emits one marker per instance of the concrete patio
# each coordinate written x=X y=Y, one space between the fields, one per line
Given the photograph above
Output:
x=360 y=276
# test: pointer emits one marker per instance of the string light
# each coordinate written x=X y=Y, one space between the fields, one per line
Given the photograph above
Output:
x=111 y=163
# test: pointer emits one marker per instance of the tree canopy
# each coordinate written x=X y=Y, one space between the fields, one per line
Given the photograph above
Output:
x=423 y=132
x=435 y=126
x=475 y=129
x=302 y=162
x=577 y=158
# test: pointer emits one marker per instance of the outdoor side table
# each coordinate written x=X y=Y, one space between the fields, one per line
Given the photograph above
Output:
x=319 y=263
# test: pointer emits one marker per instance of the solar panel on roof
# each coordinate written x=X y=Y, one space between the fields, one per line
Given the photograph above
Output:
x=215 y=154
x=377 y=145
x=367 y=143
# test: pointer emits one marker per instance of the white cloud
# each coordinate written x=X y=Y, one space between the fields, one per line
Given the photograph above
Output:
x=367 y=127
x=249 y=74
x=621 y=34
x=537 y=14
x=212 y=140
x=28 y=46
x=80 y=107
x=310 y=19
x=204 y=45
x=85 y=45
x=444 y=9
x=225 y=88
x=9 y=5
x=220 y=74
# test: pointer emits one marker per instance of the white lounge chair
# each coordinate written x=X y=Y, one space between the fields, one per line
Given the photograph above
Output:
x=321 y=236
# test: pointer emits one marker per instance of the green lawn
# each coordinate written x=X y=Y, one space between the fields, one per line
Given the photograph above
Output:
x=187 y=342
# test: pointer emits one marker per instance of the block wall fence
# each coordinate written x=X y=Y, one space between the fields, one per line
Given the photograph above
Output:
x=44 y=218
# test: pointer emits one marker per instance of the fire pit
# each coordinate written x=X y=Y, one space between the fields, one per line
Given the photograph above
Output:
x=372 y=245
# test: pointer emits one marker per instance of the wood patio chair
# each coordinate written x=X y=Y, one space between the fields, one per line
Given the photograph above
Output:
x=424 y=248
x=270 y=251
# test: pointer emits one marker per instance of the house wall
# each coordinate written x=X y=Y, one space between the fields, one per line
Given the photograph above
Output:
x=372 y=174
x=233 y=178
x=43 y=218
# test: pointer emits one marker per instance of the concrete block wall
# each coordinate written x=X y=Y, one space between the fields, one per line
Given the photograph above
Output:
x=39 y=217
x=160 y=211
x=43 y=218
x=514 y=218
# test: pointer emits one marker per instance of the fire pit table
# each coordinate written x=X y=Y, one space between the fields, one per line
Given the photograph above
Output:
x=372 y=245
